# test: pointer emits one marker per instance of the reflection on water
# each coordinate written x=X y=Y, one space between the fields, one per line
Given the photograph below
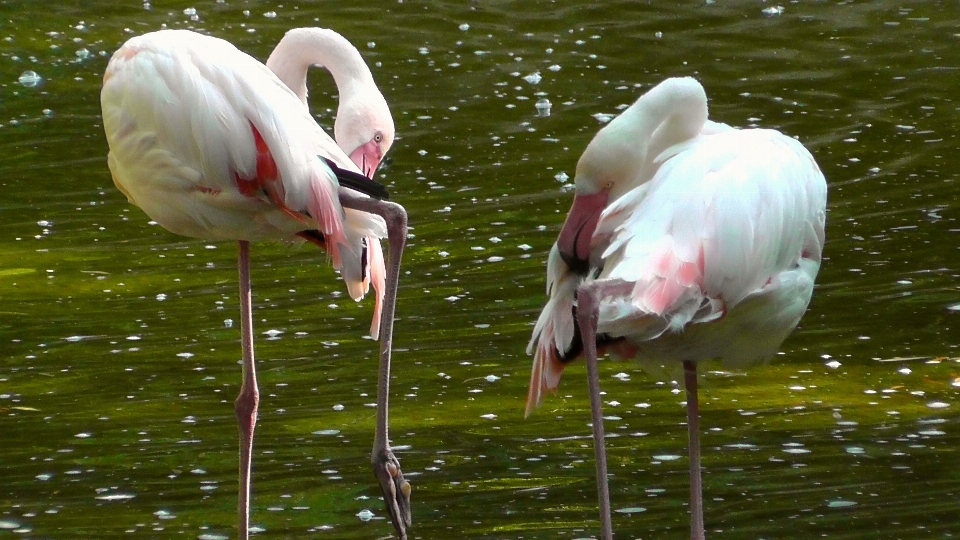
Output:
x=119 y=349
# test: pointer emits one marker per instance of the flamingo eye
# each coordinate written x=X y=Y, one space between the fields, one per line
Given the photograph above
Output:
x=608 y=185
x=378 y=137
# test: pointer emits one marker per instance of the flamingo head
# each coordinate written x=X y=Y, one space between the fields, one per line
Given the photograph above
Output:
x=364 y=129
x=603 y=171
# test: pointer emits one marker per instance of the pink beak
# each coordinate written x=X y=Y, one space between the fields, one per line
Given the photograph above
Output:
x=578 y=229
x=367 y=157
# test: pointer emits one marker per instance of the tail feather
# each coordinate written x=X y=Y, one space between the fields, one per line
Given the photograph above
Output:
x=376 y=273
x=545 y=374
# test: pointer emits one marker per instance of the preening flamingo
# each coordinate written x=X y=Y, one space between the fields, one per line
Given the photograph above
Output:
x=687 y=240
x=211 y=144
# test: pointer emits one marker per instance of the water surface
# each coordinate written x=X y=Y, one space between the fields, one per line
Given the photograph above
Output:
x=118 y=348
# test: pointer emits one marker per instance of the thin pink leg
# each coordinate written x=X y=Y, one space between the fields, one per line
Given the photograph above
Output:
x=693 y=425
x=588 y=316
x=249 y=398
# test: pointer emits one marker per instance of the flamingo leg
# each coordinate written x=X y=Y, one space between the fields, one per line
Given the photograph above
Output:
x=386 y=466
x=693 y=424
x=588 y=305
x=249 y=398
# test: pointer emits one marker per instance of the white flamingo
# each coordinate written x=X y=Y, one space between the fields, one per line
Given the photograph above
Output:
x=687 y=240
x=211 y=144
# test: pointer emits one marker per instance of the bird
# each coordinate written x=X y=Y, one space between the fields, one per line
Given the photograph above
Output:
x=211 y=144
x=688 y=240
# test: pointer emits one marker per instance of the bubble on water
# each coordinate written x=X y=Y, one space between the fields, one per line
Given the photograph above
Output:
x=495 y=258
x=561 y=177
x=30 y=79
x=658 y=34
x=905 y=371
x=622 y=376
x=338 y=407
x=161 y=297
x=603 y=118
x=666 y=457
x=371 y=44
x=73 y=339
x=273 y=333
x=48 y=113
x=841 y=504
x=489 y=416
x=115 y=497
x=270 y=14
x=491 y=378
x=833 y=364
x=533 y=78
x=190 y=11
x=8 y=525
x=327 y=432
x=43 y=477
x=631 y=510
x=464 y=27
x=855 y=450
x=365 y=515
x=554 y=68
x=773 y=10
x=938 y=405
x=83 y=54
x=543 y=107
x=84 y=435
x=228 y=323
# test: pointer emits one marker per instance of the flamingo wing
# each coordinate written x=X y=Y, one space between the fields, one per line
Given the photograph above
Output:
x=735 y=217
x=210 y=144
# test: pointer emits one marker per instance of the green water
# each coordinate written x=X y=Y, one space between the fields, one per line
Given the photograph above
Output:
x=118 y=369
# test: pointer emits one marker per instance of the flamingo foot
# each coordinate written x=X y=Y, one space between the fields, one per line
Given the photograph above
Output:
x=396 y=490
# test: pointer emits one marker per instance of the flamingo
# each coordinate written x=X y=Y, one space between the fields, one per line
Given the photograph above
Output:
x=687 y=240
x=211 y=144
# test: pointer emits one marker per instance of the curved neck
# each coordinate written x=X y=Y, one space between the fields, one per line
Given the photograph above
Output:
x=301 y=48
x=624 y=153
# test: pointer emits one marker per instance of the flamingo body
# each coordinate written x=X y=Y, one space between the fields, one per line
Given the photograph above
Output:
x=721 y=241
x=183 y=113
x=687 y=240
x=211 y=144
x=723 y=247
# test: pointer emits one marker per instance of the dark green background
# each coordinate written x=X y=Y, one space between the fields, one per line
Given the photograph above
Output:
x=116 y=407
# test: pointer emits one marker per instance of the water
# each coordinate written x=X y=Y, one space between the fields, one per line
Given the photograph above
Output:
x=118 y=356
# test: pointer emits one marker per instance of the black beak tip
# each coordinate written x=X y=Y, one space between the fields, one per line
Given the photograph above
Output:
x=576 y=264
